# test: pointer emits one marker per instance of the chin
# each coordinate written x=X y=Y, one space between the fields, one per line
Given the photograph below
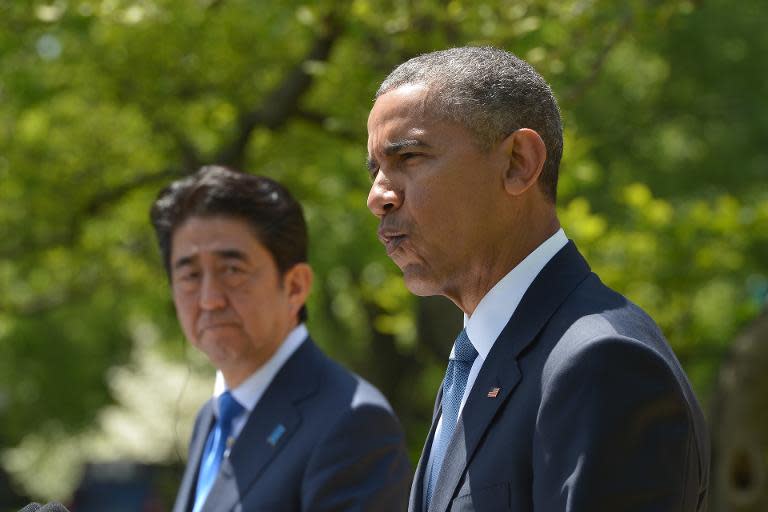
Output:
x=218 y=352
x=418 y=283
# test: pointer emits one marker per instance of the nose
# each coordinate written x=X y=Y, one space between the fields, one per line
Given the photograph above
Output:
x=212 y=295
x=383 y=197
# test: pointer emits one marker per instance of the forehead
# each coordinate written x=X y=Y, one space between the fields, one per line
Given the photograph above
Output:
x=214 y=234
x=404 y=103
x=408 y=114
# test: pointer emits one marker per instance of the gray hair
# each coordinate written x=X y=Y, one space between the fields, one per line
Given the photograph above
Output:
x=492 y=93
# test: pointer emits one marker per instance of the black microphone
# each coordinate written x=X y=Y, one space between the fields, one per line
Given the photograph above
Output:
x=32 y=507
x=53 y=507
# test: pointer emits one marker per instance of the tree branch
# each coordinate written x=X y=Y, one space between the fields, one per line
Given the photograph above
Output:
x=283 y=102
x=323 y=121
x=190 y=157
x=95 y=205
x=579 y=89
x=107 y=197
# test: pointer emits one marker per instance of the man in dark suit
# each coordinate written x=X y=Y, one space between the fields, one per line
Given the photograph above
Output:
x=287 y=429
x=560 y=394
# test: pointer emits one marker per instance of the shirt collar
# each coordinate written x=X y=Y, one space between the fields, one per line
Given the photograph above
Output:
x=499 y=304
x=249 y=392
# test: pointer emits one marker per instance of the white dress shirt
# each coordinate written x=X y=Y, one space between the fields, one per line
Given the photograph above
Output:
x=249 y=392
x=496 y=308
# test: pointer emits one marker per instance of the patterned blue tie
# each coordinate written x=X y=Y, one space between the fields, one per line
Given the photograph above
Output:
x=456 y=375
x=215 y=446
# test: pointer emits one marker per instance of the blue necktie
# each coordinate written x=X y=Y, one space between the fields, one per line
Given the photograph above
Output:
x=455 y=382
x=215 y=446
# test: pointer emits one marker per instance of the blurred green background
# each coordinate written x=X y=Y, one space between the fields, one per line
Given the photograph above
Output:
x=664 y=187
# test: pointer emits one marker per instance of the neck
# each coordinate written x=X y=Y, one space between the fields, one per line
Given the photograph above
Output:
x=497 y=262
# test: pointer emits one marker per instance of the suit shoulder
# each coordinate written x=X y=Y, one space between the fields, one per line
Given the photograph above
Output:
x=596 y=311
x=346 y=388
x=598 y=320
x=367 y=394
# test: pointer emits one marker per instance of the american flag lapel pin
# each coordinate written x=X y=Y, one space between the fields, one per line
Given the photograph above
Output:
x=493 y=393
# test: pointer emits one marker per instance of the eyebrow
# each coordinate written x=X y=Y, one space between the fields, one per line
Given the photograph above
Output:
x=229 y=254
x=392 y=148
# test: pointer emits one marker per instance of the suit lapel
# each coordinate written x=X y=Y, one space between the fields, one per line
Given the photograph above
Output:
x=416 y=499
x=270 y=426
x=189 y=480
x=500 y=370
x=469 y=428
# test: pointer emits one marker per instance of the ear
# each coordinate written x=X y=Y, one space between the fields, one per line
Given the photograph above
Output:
x=298 y=283
x=527 y=153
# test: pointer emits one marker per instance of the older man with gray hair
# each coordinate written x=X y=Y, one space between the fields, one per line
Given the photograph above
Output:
x=560 y=394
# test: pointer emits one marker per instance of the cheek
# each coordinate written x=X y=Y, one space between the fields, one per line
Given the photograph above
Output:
x=185 y=312
x=425 y=202
x=250 y=304
x=435 y=212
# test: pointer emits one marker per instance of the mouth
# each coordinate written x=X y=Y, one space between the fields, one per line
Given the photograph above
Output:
x=391 y=240
x=214 y=327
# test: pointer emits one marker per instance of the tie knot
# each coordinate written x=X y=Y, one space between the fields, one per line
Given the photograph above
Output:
x=463 y=350
x=229 y=408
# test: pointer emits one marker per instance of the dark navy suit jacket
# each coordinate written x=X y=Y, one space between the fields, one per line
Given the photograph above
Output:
x=592 y=413
x=319 y=439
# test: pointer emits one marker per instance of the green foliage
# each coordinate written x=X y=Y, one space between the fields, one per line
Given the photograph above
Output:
x=102 y=102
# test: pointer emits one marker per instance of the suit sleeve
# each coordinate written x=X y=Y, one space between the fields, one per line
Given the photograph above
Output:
x=360 y=466
x=613 y=433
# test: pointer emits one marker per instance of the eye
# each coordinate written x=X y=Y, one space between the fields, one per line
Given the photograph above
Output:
x=190 y=275
x=187 y=280
x=372 y=167
x=233 y=269
x=410 y=156
x=233 y=275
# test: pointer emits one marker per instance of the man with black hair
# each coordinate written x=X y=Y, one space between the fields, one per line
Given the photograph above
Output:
x=287 y=429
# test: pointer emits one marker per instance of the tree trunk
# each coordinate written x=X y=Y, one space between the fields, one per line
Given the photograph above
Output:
x=740 y=424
